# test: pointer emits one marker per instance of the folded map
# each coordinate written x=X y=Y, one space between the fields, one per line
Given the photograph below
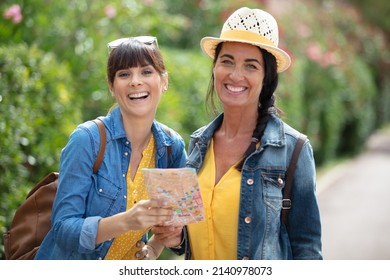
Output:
x=180 y=189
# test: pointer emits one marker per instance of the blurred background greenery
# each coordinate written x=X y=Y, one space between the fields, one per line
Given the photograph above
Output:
x=52 y=73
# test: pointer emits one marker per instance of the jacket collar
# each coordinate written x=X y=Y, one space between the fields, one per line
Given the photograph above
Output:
x=116 y=124
x=117 y=129
x=273 y=134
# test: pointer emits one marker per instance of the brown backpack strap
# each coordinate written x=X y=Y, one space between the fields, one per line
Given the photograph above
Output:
x=102 y=148
x=286 y=202
x=169 y=148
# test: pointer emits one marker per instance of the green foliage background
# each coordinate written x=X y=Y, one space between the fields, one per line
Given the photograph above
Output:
x=52 y=74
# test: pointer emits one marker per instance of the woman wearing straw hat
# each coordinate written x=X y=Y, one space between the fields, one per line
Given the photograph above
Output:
x=241 y=156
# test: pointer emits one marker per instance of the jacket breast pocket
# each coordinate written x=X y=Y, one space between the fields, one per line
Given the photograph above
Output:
x=102 y=197
x=273 y=184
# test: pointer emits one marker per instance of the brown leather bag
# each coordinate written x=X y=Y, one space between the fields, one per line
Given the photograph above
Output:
x=31 y=222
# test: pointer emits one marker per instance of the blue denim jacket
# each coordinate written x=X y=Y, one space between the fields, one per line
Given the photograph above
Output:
x=261 y=234
x=83 y=198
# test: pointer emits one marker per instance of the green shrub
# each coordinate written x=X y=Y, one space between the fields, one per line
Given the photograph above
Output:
x=183 y=105
x=36 y=115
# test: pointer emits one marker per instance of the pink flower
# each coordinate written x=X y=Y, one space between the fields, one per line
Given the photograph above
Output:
x=148 y=2
x=14 y=12
x=110 y=11
x=303 y=30
x=330 y=58
x=324 y=59
x=313 y=52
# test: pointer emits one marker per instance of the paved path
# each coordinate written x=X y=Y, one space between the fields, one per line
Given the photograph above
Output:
x=354 y=200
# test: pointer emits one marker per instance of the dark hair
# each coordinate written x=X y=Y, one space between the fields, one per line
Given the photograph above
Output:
x=131 y=54
x=266 y=99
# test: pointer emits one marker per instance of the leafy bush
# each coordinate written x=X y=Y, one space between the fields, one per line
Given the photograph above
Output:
x=331 y=92
x=37 y=113
x=183 y=106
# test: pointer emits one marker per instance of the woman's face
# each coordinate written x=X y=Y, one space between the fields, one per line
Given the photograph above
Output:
x=138 y=90
x=238 y=75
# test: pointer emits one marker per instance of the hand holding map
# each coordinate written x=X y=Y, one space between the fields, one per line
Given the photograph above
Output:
x=180 y=188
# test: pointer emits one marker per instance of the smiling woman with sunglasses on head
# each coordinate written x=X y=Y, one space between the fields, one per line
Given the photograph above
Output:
x=107 y=215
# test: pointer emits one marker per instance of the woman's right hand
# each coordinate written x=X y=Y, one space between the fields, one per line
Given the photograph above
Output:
x=143 y=215
x=148 y=213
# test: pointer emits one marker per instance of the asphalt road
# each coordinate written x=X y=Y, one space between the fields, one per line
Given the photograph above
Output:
x=354 y=201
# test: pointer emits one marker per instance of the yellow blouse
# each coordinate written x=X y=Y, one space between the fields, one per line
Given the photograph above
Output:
x=124 y=246
x=216 y=237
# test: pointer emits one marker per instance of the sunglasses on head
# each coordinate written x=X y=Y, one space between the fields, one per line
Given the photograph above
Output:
x=147 y=40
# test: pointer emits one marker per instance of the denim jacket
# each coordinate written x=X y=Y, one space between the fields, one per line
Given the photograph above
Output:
x=83 y=198
x=261 y=234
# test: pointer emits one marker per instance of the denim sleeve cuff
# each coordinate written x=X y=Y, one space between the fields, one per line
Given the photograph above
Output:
x=88 y=234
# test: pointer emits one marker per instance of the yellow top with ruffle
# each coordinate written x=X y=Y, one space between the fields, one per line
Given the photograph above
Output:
x=124 y=246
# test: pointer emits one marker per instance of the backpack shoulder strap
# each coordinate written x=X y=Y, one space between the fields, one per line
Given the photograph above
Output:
x=169 y=148
x=100 y=156
x=286 y=202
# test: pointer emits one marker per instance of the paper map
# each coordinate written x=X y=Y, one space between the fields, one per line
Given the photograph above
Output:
x=180 y=188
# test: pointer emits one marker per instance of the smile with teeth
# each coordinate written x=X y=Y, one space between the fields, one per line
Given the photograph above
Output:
x=234 y=88
x=138 y=95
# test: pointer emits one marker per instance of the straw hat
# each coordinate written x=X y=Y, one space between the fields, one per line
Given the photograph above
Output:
x=252 y=26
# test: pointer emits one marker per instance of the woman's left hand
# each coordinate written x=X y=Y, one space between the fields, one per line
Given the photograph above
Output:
x=149 y=251
x=169 y=236
x=143 y=253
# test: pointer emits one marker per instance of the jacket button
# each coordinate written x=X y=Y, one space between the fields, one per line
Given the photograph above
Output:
x=248 y=220
x=245 y=258
x=280 y=181
x=249 y=182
